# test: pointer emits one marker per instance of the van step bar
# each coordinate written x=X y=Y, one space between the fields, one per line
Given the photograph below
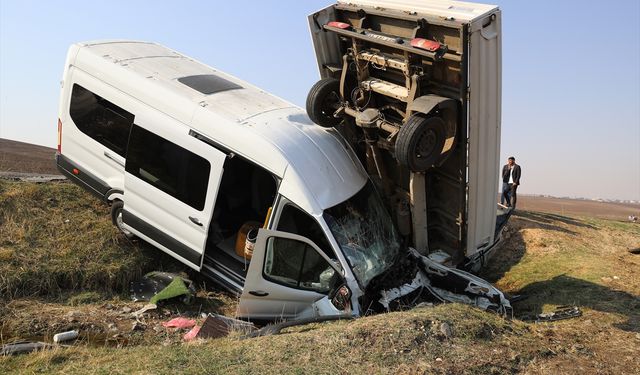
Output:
x=231 y=280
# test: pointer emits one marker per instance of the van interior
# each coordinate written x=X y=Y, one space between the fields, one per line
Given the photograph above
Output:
x=245 y=195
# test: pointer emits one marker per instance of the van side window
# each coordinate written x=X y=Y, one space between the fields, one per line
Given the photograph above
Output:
x=293 y=220
x=100 y=119
x=169 y=167
x=296 y=264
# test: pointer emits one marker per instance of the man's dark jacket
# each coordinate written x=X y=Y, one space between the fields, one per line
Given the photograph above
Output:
x=516 y=174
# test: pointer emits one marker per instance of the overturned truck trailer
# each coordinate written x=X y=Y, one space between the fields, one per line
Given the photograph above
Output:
x=415 y=87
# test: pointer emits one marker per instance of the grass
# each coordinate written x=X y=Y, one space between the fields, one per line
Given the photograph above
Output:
x=552 y=259
x=400 y=342
x=55 y=237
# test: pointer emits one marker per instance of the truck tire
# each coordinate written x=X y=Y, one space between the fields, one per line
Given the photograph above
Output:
x=420 y=142
x=322 y=102
x=116 y=218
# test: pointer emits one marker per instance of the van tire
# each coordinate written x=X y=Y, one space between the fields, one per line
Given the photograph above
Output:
x=322 y=102
x=116 y=218
x=420 y=142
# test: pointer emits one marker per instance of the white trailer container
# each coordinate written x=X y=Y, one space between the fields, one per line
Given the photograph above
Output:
x=397 y=64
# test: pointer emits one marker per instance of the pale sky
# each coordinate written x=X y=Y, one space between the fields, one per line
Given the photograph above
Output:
x=571 y=73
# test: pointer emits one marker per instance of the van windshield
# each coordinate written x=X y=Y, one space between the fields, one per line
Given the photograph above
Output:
x=364 y=230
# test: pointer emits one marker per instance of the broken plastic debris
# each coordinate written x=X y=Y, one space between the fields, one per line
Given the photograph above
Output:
x=65 y=336
x=159 y=286
x=179 y=322
x=191 y=334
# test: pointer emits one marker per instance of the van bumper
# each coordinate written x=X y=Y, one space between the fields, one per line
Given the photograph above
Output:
x=88 y=181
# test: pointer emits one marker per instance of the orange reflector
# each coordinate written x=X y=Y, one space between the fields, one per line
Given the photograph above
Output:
x=59 y=136
x=76 y=171
x=339 y=25
x=425 y=44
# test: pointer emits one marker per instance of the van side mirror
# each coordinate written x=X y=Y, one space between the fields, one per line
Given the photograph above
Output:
x=341 y=298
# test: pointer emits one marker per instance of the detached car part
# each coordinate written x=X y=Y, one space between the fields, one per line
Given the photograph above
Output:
x=448 y=285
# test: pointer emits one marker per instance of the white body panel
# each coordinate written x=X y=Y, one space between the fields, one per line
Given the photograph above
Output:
x=164 y=212
x=457 y=10
x=485 y=111
x=265 y=299
x=92 y=156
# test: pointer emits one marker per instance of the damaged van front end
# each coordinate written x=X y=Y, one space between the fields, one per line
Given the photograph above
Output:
x=387 y=276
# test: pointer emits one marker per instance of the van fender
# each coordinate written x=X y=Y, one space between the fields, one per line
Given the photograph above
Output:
x=114 y=194
x=427 y=103
x=448 y=111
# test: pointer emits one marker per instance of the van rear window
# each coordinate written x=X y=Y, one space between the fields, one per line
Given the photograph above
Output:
x=100 y=119
x=208 y=83
x=168 y=167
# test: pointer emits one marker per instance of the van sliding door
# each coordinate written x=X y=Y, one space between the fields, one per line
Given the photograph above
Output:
x=171 y=184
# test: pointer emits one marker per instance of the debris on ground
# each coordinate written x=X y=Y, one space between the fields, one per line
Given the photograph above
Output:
x=191 y=334
x=138 y=326
x=446 y=330
x=147 y=307
x=179 y=323
x=65 y=336
x=561 y=313
x=216 y=326
x=159 y=286
x=23 y=347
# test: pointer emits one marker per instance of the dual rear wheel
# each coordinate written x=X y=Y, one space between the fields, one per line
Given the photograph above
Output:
x=420 y=140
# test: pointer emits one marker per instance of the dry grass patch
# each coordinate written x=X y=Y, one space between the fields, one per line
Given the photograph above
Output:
x=56 y=237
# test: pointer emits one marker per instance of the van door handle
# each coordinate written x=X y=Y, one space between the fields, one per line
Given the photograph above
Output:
x=195 y=220
x=258 y=293
x=108 y=155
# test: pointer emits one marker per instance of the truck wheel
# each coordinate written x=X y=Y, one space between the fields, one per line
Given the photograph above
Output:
x=420 y=142
x=116 y=218
x=323 y=101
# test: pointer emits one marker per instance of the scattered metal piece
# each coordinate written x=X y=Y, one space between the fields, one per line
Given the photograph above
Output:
x=23 y=347
x=561 y=313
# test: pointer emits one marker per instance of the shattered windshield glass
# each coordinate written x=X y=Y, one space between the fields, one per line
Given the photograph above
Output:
x=364 y=230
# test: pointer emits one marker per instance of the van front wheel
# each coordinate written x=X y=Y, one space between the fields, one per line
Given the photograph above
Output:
x=323 y=101
x=116 y=218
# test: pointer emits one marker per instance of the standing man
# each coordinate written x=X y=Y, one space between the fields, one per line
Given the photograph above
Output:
x=510 y=181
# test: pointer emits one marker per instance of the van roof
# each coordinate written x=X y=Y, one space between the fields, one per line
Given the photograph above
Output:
x=317 y=167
